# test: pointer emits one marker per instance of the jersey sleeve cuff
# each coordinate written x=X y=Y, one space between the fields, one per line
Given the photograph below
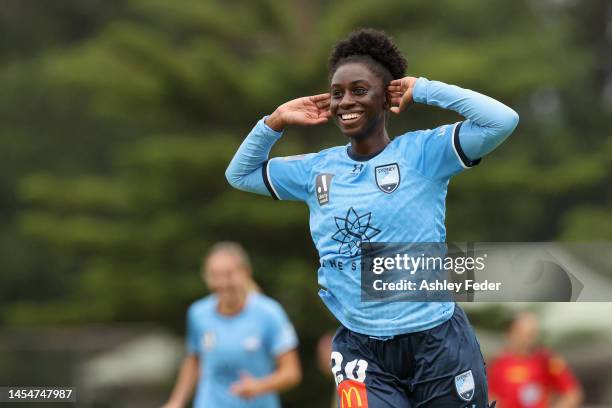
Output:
x=465 y=161
x=419 y=92
x=285 y=347
x=267 y=130
x=265 y=173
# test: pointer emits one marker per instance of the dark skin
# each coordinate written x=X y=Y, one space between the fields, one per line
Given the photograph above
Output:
x=356 y=89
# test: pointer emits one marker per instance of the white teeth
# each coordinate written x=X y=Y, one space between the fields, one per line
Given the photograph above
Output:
x=346 y=116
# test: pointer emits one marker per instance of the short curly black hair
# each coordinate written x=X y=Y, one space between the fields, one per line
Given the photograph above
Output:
x=372 y=47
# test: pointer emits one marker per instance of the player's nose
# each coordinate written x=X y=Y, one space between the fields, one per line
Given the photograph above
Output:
x=347 y=101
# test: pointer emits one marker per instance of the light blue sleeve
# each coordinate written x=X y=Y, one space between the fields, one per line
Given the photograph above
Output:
x=281 y=336
x=433 y=152
x=192 y=337
x=488 y=123
x=283 y=178
x=245 y=171
x=288 y=177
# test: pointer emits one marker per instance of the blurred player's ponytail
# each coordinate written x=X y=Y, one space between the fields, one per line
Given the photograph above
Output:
x=237 y=251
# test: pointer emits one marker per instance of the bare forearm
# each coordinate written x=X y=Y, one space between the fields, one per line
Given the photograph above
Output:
x=573 y=399
x=287 y=374
x=280 y=380
x=185 y=384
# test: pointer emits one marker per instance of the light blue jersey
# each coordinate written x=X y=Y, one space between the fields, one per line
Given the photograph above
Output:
x=227 y=346
x=398 y=195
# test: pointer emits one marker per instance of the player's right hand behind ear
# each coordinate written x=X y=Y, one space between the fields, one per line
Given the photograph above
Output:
x=306 y=111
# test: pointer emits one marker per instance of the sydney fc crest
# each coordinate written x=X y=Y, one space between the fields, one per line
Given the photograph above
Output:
x=464 y=384
x=387 y=177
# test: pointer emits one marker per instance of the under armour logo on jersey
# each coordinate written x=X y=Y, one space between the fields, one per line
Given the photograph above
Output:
x=322 y=187
x=357 y=167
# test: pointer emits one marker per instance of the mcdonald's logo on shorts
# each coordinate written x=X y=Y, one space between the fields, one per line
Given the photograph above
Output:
x=352 y=394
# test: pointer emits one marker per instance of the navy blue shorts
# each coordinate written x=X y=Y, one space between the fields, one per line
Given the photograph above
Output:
x=441 y=367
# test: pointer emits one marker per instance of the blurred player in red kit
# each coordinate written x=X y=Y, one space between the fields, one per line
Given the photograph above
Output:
x=526 y=375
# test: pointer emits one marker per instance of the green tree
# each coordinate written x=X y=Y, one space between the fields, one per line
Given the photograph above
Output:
x=116 y=139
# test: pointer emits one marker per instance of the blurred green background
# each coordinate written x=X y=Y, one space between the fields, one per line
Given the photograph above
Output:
x=119 y=117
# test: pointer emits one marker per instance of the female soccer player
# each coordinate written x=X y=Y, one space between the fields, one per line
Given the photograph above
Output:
x=378 y=189
x=241 y=346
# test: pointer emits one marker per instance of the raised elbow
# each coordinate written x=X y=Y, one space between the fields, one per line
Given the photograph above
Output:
x=231 y=177
x=510 y=121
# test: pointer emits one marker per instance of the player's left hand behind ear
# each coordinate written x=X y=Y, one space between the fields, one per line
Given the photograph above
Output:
x=400 y=93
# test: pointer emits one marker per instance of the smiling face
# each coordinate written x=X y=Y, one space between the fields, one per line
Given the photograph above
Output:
x=225 y=274
x=358 y=99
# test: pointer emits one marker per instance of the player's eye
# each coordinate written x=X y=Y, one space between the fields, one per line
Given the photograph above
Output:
x=360 y=91
x=337 y=94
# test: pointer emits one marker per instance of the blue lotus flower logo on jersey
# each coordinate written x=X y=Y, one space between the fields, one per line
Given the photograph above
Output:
x=354 y=230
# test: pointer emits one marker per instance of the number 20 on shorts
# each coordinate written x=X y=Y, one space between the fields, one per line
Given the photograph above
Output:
x=353 y=370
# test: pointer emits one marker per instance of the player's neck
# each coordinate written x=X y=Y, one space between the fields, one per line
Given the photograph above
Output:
x=372 y=143
x=232 y=304
x=520 y=349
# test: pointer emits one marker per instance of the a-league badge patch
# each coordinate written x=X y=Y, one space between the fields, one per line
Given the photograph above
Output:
x=323 y=183
x=387 y=177
x=464 y=384
x=352 y=394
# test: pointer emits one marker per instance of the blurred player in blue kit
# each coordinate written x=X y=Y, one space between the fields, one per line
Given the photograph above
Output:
x=381 y=189
x=241 y=347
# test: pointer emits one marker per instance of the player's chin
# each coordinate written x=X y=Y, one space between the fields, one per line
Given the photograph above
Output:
x=357 y=134
x=350 y=131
